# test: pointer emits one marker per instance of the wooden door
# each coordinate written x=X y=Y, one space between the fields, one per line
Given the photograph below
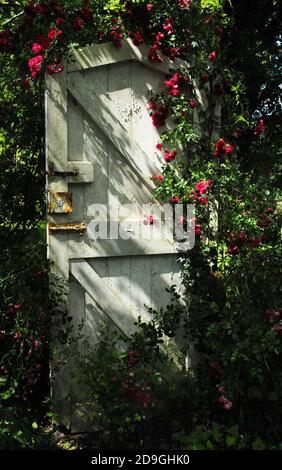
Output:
x=101 y=150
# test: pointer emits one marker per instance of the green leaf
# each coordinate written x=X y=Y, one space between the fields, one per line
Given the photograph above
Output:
x=211 y=5
x=7 y=394
x=3 y=380
x=231 y=441
x=210 y=445
x=234 y=430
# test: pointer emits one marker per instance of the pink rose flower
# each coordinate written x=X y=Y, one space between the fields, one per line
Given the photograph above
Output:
x=34 y=65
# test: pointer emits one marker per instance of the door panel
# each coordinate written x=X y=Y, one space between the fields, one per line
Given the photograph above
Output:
x=96 y=112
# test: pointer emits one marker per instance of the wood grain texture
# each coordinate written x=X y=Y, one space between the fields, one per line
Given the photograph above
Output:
x=110 y=300
x=112 y=129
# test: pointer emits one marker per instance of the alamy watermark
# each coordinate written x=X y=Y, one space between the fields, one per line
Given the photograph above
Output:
x=148 y=222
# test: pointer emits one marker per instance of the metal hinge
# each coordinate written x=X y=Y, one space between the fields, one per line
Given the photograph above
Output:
x=52 y=172
x=73 y=172
x=79 y=227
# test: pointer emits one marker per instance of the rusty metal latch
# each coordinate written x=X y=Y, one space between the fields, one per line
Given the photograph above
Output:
x=79 y=227
x=73 y=172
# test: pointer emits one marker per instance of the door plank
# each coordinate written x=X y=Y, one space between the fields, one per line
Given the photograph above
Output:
x=141 y=286
x=82 y=247
x=104 y=295
x=106 y=54
x=115 y=132
x=56 y=108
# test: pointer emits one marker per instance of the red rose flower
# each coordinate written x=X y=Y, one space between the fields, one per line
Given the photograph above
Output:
x=37 y=344
x=184 y=4
x=173 y=85
x=159 y=37
x=203 y=186
x=158 y=178
x=17 y=336
x=131 y=354
x=43 y=42
x=36 y=48
x=153 y=55
x=152 y=105
x=227 y=404
x=219 y=30
x=35 y=65
x=138 y=38
x=169 y=156
x=78 y=23
x=172 y=52
x=260 y=128
x=193 y=196
x=193 y=103
x=272 y=315
x=60 y=21
x=149 y=220
x=228 y=149
x=167 y=26
x=159 y=116
x=242 y=238
x=203 y=200
x=54 y=33
x=175 y=199
x=221 y=148
x=278 y=328
x=86 y=13
x=55 y=68
x=116 y=38
x=233 y=249
x=212 y=56
x=198 y=230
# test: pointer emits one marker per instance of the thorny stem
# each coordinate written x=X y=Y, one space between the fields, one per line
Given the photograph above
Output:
x=12 y=18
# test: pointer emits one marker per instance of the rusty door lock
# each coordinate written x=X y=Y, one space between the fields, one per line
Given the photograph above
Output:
x=60 y=203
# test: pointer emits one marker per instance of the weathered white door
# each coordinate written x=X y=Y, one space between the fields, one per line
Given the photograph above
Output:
x=101 y=150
